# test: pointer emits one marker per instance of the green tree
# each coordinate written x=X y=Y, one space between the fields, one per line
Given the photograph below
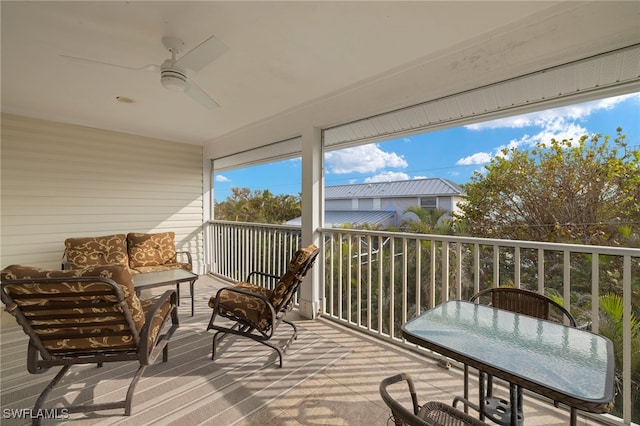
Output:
x=260 y=206
x=565 y=191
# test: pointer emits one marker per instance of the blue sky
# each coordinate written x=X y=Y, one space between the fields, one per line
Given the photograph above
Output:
x=451 y=154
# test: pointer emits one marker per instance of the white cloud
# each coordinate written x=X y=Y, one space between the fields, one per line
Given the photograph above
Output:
x=559 y=123
x=387 y=177
x=541 y=118
x=477 y=158
x=362 y=159
x=221 y=178
x=558 y=129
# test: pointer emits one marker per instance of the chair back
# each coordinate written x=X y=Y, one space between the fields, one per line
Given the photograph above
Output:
x=525 y=302
x=66 y=313
x=300 y=263
x=432 y=413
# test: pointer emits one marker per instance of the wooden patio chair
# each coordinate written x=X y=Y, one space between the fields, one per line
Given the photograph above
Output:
x=255 y=311
x=87 y=316
x=430 y=414
x=523 y=302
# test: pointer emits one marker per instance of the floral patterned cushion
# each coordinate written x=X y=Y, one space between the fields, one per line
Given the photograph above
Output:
x=157 y=321
x=241 y=306
x=296 y=263
x=85 y=322
x=92 y=251
x=244 y=307
x=153 y=252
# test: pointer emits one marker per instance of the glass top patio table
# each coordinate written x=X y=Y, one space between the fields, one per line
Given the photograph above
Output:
x=569 y=365
x=161 y=278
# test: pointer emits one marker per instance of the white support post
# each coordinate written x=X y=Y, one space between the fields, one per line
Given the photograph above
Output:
x=206 y=265
x=312 y=217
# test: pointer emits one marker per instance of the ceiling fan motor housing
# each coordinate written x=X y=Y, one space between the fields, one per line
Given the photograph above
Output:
x=172 y=77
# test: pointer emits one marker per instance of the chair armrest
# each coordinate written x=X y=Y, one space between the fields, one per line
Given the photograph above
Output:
x=186 y=253
x=146 y=344
x=265 y=300
x=247 y=293
x=262 y=274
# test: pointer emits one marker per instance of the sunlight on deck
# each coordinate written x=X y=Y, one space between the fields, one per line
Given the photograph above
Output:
x=331 y=376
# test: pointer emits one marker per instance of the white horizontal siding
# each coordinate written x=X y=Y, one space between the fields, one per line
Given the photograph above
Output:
x=61 y=181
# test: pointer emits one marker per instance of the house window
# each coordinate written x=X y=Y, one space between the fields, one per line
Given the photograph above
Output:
x=429 y=203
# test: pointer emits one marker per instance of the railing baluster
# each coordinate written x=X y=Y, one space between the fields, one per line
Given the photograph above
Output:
x=476 y=268
x=566 y=280
x=459 y=271
x=405 y=263
x=369 y=280
x=359 y=283
x=595 y=293
x=432 y=275
x=348 y=278
x=445 y=272
x=380 y=282
x=418 y=267
x=392 y=282
x=626 y=338
x=516 y=265
x=496 y=266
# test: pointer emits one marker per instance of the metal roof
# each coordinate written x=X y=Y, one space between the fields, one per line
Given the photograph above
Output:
x=350 y=217
x=404 y=188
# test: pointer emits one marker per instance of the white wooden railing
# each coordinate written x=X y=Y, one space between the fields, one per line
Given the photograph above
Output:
x=238 y=248
x=375 y=281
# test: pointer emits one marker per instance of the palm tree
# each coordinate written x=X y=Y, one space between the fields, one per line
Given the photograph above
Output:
x=430 y=221
x=611 y=326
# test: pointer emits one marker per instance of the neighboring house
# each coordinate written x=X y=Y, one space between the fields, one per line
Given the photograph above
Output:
x=383 y=204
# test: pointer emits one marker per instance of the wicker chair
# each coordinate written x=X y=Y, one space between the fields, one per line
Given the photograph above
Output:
x=256 y=311
x=87 y=316
x=523 y=302
x=430 y=414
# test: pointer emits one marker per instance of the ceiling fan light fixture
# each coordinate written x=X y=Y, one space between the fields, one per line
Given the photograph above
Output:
x=173 y=78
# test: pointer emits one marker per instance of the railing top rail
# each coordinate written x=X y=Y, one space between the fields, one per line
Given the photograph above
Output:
x=254 y=225
x=575 y=248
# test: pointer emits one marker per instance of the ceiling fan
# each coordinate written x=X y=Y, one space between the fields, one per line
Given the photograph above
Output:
x=173 y=72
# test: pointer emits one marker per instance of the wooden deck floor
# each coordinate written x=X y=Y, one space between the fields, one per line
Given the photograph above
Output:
x=330 y=377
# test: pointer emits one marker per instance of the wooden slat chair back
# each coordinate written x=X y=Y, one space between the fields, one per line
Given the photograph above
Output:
x=85 y=317
x=257 y=311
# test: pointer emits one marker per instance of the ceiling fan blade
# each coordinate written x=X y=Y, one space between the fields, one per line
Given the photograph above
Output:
x=196 y=93
x=203 y=54
x=150 y=67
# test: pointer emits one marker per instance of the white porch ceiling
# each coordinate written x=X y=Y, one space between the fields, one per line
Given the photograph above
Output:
x=290 y=65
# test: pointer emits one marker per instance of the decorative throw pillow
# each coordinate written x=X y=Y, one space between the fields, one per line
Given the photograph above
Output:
x=92 y=251
x=151 y=249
